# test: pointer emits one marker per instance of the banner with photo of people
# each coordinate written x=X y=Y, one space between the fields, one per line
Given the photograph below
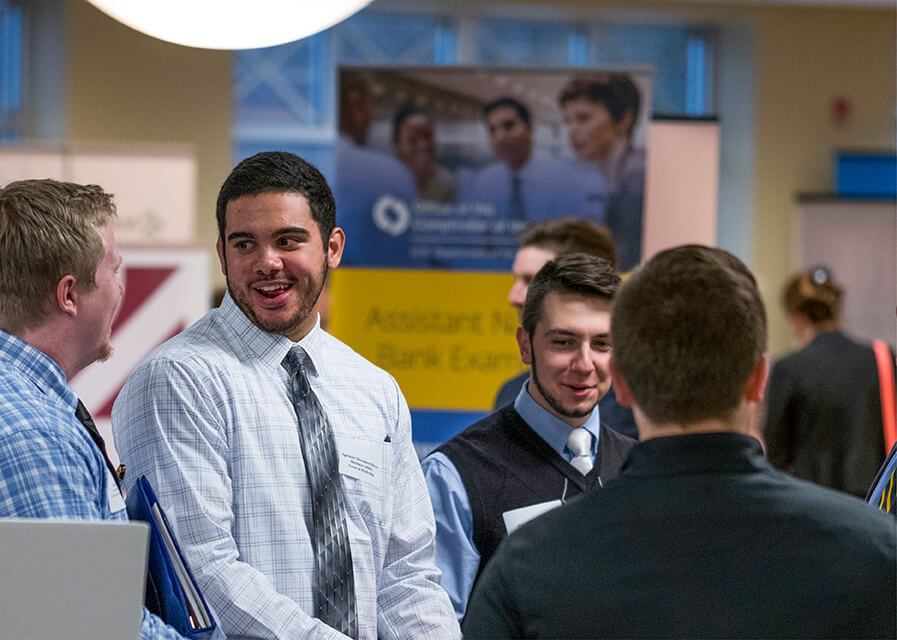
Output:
x=437 y=171
x=440 y=168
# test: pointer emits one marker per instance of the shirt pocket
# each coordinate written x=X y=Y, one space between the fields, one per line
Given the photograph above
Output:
x=365 y=469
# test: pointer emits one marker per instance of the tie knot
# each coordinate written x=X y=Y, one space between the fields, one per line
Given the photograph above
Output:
x=294 y=360
x=294 y=363
x=579 y=442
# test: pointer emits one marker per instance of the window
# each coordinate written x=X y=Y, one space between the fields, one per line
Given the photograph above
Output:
x=10 y=70
x=285 y=96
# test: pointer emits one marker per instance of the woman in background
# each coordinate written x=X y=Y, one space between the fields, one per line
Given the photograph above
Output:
x=600 y=112
x=823 y=420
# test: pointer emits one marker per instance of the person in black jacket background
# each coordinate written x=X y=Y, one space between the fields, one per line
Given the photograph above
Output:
x=823 y=420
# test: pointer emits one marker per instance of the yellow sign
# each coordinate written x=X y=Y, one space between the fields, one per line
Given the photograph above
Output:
x=446 y=336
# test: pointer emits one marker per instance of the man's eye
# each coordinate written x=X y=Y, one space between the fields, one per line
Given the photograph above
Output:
x=241 y=245
x=288 y=242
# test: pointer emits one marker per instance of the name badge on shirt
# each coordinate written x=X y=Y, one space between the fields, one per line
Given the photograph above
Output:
x=113 y=495
x=361 y=460
x=516 y=518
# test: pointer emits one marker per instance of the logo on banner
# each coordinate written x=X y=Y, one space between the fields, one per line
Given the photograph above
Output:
x=391 y=215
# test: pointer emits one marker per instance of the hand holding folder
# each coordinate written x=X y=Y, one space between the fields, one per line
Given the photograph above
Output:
x=171 y=590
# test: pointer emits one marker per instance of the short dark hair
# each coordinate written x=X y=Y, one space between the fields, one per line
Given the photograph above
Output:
x=404 y=112
x=280 y=172
x=616 y=91
x=507 y=101
x=573 y=273
x=813 y=294
x=688 y=329
x=569 y=235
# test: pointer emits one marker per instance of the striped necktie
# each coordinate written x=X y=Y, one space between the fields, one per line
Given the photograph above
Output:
x=334 y=579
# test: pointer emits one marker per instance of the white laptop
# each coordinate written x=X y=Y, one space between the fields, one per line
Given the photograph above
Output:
x=72 y=579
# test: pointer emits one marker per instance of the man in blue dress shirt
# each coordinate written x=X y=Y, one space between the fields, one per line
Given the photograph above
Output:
x=699 y=536
x=523 y=184
x=539 y=243
x=525 y=459
x=60 y=290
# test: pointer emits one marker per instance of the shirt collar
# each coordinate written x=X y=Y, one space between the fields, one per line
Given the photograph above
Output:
x=38 y=367
x=268 y=347
x=719 y=451
x=550 y=428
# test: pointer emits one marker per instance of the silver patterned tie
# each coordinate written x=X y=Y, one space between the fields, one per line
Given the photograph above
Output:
x=579 y=442
x=334 y=580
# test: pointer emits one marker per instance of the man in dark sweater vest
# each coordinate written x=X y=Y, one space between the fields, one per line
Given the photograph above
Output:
x=699 y=536
x=546 y=447
x=547 y=240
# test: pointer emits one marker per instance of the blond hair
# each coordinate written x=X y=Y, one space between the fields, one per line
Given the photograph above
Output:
x=48 y=229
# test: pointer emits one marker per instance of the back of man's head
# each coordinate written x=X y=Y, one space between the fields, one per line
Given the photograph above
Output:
x=569 y=235
x=280 y=172
x=688 y=330
x=571 y=274
x=48 y=230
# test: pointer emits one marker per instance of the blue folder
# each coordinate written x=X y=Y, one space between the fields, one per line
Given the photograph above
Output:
x=165 y=590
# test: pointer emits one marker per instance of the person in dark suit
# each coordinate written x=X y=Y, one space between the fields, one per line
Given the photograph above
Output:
x=699 y=536
x=549 y=445
x=823 y=421
x=539 y=243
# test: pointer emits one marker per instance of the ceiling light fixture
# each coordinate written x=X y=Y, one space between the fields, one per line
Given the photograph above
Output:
x=229 y=24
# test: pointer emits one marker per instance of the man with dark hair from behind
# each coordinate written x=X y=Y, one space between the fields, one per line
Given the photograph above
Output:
x=286 y=456
x=60 y=291
x=699 y=536
x=549 y=445
x=539 y=243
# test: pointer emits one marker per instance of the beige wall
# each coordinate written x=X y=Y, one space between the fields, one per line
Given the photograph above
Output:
x=805 y=58
x=126 y=86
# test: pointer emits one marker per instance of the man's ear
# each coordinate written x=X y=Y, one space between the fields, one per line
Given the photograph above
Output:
x=66 y=297
x=335 y=246
x=524 y=345
x=625 y=123
x=621 y=388
x=755 y=389
x=219 y=246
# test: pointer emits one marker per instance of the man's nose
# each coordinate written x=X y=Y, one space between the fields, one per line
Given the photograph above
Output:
x=517 y=294
x=582 y=360
x=269 y=259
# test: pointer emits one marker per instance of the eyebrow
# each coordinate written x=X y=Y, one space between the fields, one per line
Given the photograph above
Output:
x=286 y=230
x=280 y=232
x=240 y=234
x=567 y=332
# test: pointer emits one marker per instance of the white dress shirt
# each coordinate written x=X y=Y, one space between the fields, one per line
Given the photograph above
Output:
x=208 y=418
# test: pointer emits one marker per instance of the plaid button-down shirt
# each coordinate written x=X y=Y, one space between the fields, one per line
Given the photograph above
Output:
x=208 y=418
x=49 y=466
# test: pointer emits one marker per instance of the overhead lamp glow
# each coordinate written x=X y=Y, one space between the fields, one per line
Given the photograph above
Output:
x=229 y=24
